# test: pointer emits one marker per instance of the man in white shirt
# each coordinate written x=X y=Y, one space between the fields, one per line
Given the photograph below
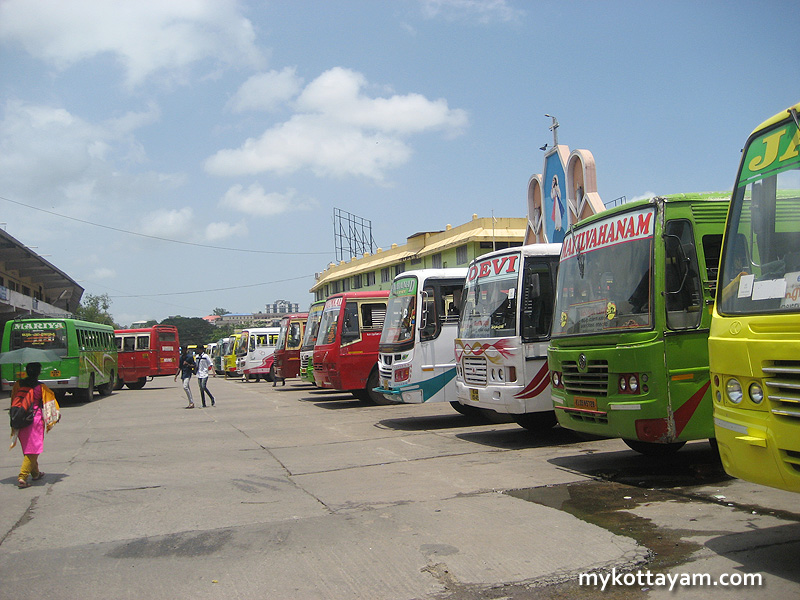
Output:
x=204 y=365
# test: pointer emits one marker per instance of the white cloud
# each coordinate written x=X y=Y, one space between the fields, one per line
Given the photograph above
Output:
x=266 y=91
x=172 y=224
x=483 y=11
x=645 y=196
x=103 y=273
x=340 y=131
x=145 y=36
x=47 y=152
x=255 y=201
x=223 y=231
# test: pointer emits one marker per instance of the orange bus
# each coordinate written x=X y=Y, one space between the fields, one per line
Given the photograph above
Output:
x=346 y=352
x=146 y=353
x=287 y=352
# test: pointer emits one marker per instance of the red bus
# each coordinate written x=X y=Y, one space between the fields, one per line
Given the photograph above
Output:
x=146 y=353
x=287 y=352
x=346 y=352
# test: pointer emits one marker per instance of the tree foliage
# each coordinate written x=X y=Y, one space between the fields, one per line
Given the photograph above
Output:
x=95 y=309
x=220 y=311
x=193 y=330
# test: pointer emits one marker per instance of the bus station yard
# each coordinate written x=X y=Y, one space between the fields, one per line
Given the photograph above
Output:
x=296 y=492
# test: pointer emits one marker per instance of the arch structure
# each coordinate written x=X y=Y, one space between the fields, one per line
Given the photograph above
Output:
x=564 y=195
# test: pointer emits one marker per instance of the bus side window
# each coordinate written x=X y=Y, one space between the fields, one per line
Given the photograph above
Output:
x=537 y=301
x=683 y=294
x=143 y=342
x=119 y=343
x=430 y=321
x=129 y=344
x=350 y=328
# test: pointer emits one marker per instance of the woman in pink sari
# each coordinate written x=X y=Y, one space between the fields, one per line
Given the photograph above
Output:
x=31 y=438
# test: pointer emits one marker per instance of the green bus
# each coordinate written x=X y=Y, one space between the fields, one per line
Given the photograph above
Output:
x=88 y=351
x=629 y=349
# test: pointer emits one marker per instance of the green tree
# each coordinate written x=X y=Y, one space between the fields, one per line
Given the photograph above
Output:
x=193 y=330
x=95 y=309
x=220 y=311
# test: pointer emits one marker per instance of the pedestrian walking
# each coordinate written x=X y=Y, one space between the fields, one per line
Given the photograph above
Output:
x=185 y=369
x=31 y=393
x=204 y=365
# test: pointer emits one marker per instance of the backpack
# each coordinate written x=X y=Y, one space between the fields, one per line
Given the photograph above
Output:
x=195 y=366
x=21 y=411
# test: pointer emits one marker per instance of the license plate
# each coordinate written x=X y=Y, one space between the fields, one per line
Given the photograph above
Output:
x=473 y=395
x=587 y=403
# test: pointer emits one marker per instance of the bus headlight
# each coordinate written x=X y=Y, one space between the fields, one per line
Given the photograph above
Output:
x=623 y=385
x=556 y=379
x=756 y=393
x=734 y=391
x=500 y=375
x=633 y=384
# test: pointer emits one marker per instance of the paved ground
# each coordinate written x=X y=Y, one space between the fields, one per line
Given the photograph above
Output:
x=291 y=492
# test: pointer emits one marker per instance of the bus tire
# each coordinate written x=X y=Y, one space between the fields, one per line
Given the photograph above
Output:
x=653 y=449
x=119 y=383
x=369 y=394
x=473 y=412
x=138 y=384
x=271 y=376
x=86 y=395
x=108 y=387
x=536 y=421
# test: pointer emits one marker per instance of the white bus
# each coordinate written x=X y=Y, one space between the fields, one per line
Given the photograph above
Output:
x=416 y=362
x=504 y=331
x=254 y=352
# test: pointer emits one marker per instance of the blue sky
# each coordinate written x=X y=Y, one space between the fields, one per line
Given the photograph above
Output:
x=237 y=127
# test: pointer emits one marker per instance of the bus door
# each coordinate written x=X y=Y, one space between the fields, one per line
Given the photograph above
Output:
x=686 y=354
x=440 y=302
x=143 y=355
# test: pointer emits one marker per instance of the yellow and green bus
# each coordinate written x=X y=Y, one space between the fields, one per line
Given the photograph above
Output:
x=754 y=346
x=88 y=354
x=628 y=352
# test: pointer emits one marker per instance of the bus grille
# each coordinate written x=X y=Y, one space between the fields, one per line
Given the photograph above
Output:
x=593 y=382
x=783 y=387
x=474 y=370
x=304 y=361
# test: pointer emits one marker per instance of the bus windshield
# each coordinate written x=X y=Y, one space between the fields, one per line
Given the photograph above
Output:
x=327 y=326
x=53 y=337
x=401 y=313
x=605 y=276
x=761 y=264
x=312 y=327
x=490 y=306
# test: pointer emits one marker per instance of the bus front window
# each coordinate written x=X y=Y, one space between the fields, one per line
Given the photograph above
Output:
x=43 y=339
x=760 y=271
x=609 y=287
x=398 y=334
x=328 y=324
x=489 y=309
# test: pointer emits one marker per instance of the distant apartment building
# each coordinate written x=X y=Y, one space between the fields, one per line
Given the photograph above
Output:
x=32 y=286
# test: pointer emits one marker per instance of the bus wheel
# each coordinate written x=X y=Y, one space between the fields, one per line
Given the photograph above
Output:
x=87 y=394
x=119 y=383
x=108 y=387
x=653 y=449
x=538 y=421
x=138 y=384
x=369 y=394
x=473 y=412
x=271 y=376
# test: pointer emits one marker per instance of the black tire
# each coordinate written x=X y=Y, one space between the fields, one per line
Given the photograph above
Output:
x=367 y=394
x=108 y=387
x=471 y=412
x=537 y=421
x=60 y=395
x=653 y=449
x=138 y=384
x=87 y=394
x=119 y=383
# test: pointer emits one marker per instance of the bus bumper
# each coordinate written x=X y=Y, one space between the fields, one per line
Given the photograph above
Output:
x=750 y=451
